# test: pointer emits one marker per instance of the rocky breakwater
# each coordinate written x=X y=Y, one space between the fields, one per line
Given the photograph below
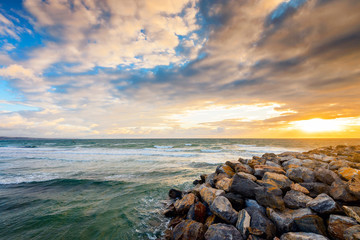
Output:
x=310 y=195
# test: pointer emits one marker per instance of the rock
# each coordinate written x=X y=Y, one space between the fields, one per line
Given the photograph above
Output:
x=353 y=211
x=246 y=176
x=291 y=166
x=225 y=169
x=323 y=204
x=352 y=233
x=210 y=220
x=316 y=188
x=260 y=170
x=353 y=186
x=299 y=188
x=243 y=223
x=245 y=187
x=268 y=198
x=348 y=173
x=183 y=205
x=293 y=161
x=282 y=181
x=301 y=174
x=271 y=157
x=335 y=165
x=170 y=211
x=338 y=191
x=326 y=176
x=222 y=208
x=256 y=161
x=271 y=186
x=222 y=231
x=210 y=179
x=302 y=236
x=295 y=199
x=269 y=163
x=223 y=184
x=254 y=205
x=283 y=220
x=209 y=194
x=337 y=226
x=236 y=200
x=175 y=194
x=243 y=168
x=197 y=212
x=175 y=221
x=310 y=223
x=260 y=222
x=187 y=230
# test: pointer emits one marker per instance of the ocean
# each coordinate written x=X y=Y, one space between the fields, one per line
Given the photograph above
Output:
x=110 y=189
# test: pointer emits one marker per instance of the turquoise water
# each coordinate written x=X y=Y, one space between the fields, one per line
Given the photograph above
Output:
x=110 y=189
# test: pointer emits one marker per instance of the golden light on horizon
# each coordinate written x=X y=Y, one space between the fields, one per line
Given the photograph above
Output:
x=320 y=125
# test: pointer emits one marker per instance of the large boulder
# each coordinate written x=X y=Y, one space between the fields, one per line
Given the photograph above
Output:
x=188 y=229
x=326 y=176
x=310 y=223
x=208 y=194
x=348 y=173
x=184 y=204
x=236 y=200
x=338 y=191
x=260 y=223
x=222 y=208
x=260 y=170
x=353 y=211
x=222 y=231
x=243 y=223
x=267 y=197
x=302 y=236
x=316 y=188
x=282 y=181
x=337 y=225
x=197 y=212
x=301 y=174
x=295 y=199
x=245 y=187
x=323 y=204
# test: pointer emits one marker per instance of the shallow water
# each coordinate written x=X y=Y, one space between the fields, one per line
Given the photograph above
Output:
x=110 y=189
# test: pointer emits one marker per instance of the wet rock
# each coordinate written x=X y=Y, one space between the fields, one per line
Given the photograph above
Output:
x=301 y=174
x=353 y=186
x=246 y=176
x=223 y=184
x=299 y=188
x=352 y=233
x=209 y=194
x=260 y=222
x=187 y=230
x=222 y=231
x=183 y=205
x=326 y=176
x=337 y=225
x=282 y=181
x=316 y=188
x=338 y=191
x=252 y=205
x=310 y=223
x=323 y=204
x=348 y=173
x=302 y=236
x=175 y=194
x=245 y=187
x=236 y=200
x=353 y=211
x=197 y=212
x=295 y=199
x=243 y=223
x=260 y=170
x=225 y=169
x=222 y=208
x=269 y=198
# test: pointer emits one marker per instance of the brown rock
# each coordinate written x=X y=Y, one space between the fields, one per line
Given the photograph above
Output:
x=352 y=233
x=353 y=186
x=260 y=170
x=310 y=223
x=326 y=176
x=256 y=161
x=353 y=211
x=299 y=188
x=197 y=212
x=301 y=174
x=209 y=194
x=316 y=188
x=338 y=191
x=222 y=208
x=295 y=199
x=302 y=236
x=337 y=226
x=225 y=169
x=183 y=205
x=246 y=176
x=210 y=220
x=222 y=231
x=348 y=173
x=188 y=230
x=223 y=184
x=282 y=181
x=269 y=198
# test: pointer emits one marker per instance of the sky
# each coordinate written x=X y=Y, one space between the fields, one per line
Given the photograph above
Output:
x=180 y=68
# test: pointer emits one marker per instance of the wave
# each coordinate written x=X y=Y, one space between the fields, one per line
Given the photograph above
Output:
x=162 y=147
x=211 y=150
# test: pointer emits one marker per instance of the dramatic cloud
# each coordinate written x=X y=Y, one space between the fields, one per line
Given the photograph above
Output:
x=187 y=68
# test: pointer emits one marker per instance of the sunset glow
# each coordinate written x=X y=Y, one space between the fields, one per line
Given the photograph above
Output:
x=320 y=125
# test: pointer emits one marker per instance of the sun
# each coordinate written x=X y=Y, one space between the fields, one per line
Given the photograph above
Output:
x=320 y=125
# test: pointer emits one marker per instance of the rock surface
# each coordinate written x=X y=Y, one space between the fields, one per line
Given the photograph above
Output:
x=222 y=208
x=295 y=199
x=302 y=236
x=338 y=224
x=322 y=204
x=222 y=232
x=188 y=229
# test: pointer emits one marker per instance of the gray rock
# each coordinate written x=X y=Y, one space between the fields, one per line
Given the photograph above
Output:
x=243 y=222
x=337 y=225
x=236 y=200
x=272 y=186
x=222 y=208
x=261 y=223
x=323 y=204
x=208 y=194
x=302 y=236
x=352 y=233
x=222 y=231
x=251 y=204
x=338 y=191
x=245 y=187
x=326 y=176
x=210 y=179
x=260 y=170
x=353 y=211
x=310 y=223
x=188 y=229
x=293 y=161
x=270 y=163
x=316 y=188
x=246 y=176
x=301 y=174
x=282 y=181
x=295 y=199
x=283 y=220
x=268 y=197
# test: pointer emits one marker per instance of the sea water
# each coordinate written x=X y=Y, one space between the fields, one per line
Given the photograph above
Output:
x=110 y=189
